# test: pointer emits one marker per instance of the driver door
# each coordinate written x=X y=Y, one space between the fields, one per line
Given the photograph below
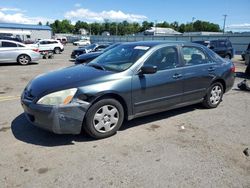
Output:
x=163 y=89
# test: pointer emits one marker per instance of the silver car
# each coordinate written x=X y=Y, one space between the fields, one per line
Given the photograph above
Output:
x=12 y=51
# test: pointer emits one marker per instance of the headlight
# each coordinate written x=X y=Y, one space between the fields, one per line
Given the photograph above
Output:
x=59 y=97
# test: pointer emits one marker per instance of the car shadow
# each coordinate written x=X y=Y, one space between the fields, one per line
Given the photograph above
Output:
x=17 y=64
x=24 y=131
x=242 y=75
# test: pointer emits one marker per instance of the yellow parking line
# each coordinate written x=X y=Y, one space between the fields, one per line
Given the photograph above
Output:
x=8 y=98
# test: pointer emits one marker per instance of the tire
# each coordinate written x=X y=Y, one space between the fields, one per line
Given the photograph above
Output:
x=23 y=59
x=227 y=56
x=214 y=95
x=57 y=50
x=247 y=71
x=104 y=118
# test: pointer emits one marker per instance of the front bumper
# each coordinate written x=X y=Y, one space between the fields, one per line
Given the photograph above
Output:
x=62 y=119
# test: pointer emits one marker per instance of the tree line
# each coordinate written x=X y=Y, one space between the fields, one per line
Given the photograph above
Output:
x=126 y=28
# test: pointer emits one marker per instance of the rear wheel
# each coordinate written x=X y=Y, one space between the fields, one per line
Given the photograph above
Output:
x=214 y=95
x=57 y=50
x=228 y=56
x=23 y=59
x=104 y=118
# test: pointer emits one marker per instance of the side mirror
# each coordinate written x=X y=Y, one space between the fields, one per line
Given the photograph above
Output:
x=148 y=69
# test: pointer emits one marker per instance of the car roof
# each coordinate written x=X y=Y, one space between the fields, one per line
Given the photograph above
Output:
x=3 y=40
x=156 y=43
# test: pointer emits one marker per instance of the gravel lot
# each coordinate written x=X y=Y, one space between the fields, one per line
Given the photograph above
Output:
x=153 y=151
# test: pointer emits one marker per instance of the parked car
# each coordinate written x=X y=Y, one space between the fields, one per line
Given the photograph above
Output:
x=63 y=40
x=86 y=58
x=128 y=81
x=247 y=62
x=11 y=51
x=9 y=36
x=82 y=42
x=247 y=51
x=223 y=47
x=49 y=45
x=96 y=47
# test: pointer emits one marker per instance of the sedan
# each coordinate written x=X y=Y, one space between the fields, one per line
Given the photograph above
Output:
x=131 y=80
x=86 y=58
x=97 y=47
x=11 y=51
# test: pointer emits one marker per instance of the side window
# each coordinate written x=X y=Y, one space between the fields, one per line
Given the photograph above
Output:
x=193 y=56
x=213 y=44
x=44 y=42
x=222 y=43
x=164 y=58
x=8 y=44
x=19 y=45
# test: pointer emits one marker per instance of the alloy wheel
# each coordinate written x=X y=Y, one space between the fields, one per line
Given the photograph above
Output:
x=215 y=95
x=106 y=118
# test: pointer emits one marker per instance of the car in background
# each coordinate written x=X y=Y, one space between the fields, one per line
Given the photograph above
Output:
x=11 y=52
x=131 y=80
x=48 y=45
x=223 y=47
x=82 y=42
x=247 y=51
x=96 y=47
x=10 y=36
x=63 y=40
x=86 y=58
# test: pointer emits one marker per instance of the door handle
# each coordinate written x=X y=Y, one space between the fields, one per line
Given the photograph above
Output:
x=176 y=76
x=210 y=69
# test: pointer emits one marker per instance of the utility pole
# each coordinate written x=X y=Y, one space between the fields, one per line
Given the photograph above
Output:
x=155 y=27
x=116 y=28
x=225 y=17
x=193 y=18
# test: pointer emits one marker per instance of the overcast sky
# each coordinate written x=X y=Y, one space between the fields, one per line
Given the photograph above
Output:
x=183 y=11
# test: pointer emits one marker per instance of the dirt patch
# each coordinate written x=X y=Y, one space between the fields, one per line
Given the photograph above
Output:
x=6 y=89
x=153 y=127
x=42 y=170
x=4 y=129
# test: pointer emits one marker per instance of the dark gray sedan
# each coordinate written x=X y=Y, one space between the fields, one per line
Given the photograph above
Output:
x=128 y=81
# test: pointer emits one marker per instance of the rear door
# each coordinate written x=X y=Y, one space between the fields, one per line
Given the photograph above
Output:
x=221 y=48
x=198 y=72
x=8 y=51
x=163 y=89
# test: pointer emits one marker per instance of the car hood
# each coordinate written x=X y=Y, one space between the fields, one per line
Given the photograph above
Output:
x=70 y=77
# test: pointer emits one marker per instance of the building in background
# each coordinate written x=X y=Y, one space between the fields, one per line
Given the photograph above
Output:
x=83 y=31
x=160 y=31
x=27 y=32
x=202 y=33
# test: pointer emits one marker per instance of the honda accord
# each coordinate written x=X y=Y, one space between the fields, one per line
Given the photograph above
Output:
x=131 y=80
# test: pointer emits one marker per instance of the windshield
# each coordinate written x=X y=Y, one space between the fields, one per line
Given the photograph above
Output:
x=90 y=47
x=110 y=47
x=120 y=58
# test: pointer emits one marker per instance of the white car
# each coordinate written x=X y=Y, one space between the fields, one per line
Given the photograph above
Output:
x=49 y=45
x=12 y=51
x=82 y=42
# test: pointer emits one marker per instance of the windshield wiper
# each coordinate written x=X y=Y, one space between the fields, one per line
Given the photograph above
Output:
x=97 y=66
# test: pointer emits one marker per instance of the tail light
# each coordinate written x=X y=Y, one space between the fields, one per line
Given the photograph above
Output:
x=36 y=50
x=232 y=69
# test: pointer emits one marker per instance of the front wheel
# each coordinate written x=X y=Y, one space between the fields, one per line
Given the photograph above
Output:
x=214 y=96
x=104 y=118
x=57 y=50
x=23 y=59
